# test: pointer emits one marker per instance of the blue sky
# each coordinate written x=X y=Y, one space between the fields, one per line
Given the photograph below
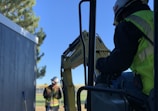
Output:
x=60 y=21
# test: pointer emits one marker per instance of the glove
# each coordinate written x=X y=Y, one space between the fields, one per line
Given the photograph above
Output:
x=100 y=79
x=104 y=79
x=100 y=64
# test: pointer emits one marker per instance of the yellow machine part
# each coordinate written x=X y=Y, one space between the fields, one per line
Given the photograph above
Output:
x=72 y=57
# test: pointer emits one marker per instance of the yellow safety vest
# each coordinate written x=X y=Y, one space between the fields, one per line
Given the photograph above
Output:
x=54 y=102
x=51 y=101
x=143 y=62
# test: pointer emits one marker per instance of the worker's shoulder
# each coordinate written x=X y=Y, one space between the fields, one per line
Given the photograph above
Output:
x=48 y=87
x=126 y=26
x=125 y=23
x=56 y=87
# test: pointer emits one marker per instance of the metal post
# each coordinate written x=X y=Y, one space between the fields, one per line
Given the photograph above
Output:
x=91 y=41
x=156 y=54
x=92 y=24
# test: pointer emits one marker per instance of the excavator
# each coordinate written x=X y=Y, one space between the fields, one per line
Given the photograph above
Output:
x=74 y=56
x=86 y=49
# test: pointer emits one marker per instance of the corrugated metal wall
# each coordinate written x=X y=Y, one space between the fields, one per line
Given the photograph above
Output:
x=17 y=70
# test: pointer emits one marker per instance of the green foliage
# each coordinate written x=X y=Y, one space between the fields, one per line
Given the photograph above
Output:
x=21 y=12
x=41 y=72
x=39 y=100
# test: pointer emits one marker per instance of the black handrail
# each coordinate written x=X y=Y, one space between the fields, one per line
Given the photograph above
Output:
x=92 y=23
x=80 y=27
x=92 y=88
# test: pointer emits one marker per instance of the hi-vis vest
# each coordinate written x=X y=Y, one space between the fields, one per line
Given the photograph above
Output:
x=143 y=63
x=52 y=101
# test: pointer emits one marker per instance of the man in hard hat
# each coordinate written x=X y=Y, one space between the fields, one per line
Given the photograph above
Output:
x=133 y=39
x=52 y=94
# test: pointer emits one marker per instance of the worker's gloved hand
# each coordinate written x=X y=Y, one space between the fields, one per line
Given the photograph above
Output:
x=100 y=64
x=103 y=79
x=100 y=79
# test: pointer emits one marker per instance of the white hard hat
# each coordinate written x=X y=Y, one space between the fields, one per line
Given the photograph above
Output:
x=120 y=5
x=55 y=80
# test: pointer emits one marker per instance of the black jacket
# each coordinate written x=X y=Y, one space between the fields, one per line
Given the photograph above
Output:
x=54 y=94
x=126 y=43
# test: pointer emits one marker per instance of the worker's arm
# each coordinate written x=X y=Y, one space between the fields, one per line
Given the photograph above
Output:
x=126 y=39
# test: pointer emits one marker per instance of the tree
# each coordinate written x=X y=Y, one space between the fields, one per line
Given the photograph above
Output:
x=21 y=12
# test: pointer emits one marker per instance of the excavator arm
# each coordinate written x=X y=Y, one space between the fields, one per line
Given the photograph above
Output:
x=74 y=56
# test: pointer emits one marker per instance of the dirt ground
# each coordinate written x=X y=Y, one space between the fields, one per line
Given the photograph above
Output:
x=42 y=108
